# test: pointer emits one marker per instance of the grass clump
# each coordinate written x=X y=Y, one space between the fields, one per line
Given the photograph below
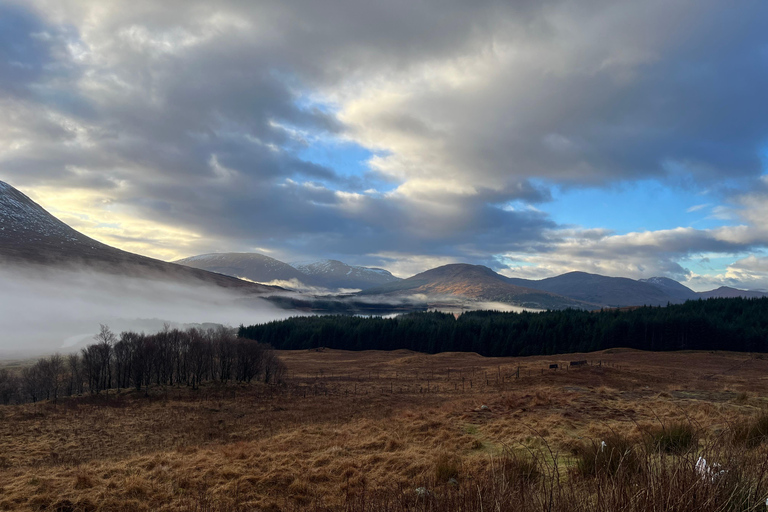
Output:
x=520 y=470
x=447 y=466
x=607 y=457
x=751 y=432
x=676 y=438
x=83 y=480
x=742 y=398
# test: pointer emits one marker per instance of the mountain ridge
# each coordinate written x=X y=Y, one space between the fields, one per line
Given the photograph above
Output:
x=328 y=274
x=255 y=267
x=598 y=289
x=725 y=292
x=475 y=282
x=31 y=236
x=343 y=275
x=584 y=289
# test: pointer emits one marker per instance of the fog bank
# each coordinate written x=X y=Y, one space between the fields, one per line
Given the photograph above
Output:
x=44 y=311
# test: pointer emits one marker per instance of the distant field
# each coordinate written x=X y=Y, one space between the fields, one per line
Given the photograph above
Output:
x=388 y=431
x=16 y=363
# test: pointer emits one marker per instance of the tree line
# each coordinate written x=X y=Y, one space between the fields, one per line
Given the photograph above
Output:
x=714 y=324
x=139 y=361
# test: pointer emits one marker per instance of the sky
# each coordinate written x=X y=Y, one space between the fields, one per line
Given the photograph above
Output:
x=535 y=137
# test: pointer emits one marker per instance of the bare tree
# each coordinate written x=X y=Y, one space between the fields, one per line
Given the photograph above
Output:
x=9 y=387
x=225 y=353
x=32 y=382
x=52 y=370
x=249 y=359
x=200 y=354
x=90 y=367
x=75 y=367
x=122 y=356
x=274 y=368
x=105 y=342
x=143 y=355
x=97 y=360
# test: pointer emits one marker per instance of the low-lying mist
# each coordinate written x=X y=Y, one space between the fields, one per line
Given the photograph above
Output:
x=44 y=311
x=52 y=310
x=297 y=286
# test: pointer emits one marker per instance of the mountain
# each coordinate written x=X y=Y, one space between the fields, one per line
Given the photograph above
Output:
x=725 y=292
x=474 y=282
x=601 y=290
x=675 y=290
x=335 y=274
x=331 y=274
x=29 y=235
x=622 y=292
x=248 y=265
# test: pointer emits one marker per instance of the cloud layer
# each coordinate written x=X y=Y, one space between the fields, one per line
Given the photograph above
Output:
x=182 y=127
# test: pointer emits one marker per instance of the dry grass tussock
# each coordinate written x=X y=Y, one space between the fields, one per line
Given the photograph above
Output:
x=383 y=431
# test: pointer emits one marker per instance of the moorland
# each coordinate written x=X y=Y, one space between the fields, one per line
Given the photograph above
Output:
x=401 y=430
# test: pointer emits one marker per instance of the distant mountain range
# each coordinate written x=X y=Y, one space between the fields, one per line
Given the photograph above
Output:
x=29 y=235
x=574 y=289
x=463 y=281
x=328 y=274
x=477 y=283
x=612 y=291
x=726 y=292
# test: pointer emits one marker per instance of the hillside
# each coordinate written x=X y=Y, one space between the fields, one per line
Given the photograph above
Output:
x=330 y=274
x=474 y=282
x=253 y=266
x=675 y=290
x=29 y=235
x=337 y=274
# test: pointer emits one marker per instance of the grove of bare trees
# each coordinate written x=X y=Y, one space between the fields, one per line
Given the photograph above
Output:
x=172 y=357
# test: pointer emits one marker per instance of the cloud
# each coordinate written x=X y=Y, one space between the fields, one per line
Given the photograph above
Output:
x=174 y=128
x=636 y=255
x=749 y=273
x=298 y=286
x=589 y=97
x=698 y=207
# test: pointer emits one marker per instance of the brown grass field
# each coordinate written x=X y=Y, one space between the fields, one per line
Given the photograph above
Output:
x=358 y=430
